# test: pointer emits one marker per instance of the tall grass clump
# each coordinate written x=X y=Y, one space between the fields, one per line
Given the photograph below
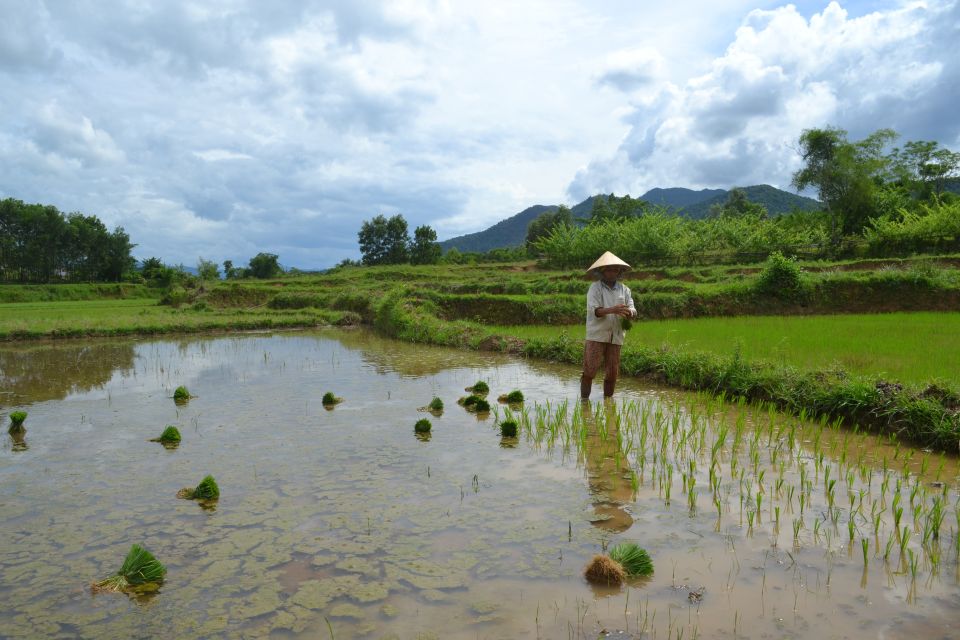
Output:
x=140 y=569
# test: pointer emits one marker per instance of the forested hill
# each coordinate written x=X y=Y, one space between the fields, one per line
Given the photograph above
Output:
x=512 y=232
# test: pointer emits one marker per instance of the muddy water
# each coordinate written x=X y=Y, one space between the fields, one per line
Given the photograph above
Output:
x=342 y=523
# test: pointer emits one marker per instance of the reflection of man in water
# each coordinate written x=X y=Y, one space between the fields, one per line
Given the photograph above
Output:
x=609 y=304
x=608 y=471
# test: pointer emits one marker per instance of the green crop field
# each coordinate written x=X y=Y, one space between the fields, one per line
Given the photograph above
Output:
x=909 y=347
x=140 y=315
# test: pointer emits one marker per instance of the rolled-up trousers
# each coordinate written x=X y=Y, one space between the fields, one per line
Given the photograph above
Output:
x=593 y=353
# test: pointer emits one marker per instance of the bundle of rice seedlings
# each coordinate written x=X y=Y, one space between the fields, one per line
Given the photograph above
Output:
x=480 y=406
x=435 y=407
x=626 y=324
x=181 y=394
x=422 y=426
x=469 y=401
x=206 y=490
x=170 y=435
x=17 y=419
x=139 y=568
x=634 y=559
x=329 y=399
x=514 y=397
x=603 y=570
x=479 y=387
x=508 y=428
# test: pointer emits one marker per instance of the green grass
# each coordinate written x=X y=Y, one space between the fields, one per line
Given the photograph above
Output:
x=908 y=347
x=141 y=316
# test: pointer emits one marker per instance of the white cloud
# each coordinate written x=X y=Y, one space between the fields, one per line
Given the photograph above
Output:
x=229 y=127
x=738 y=123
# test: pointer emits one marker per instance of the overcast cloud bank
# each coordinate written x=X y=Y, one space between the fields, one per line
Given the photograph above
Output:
x=226 y=128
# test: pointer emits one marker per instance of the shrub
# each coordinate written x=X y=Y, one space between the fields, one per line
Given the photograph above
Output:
x=422 y=426
x=781 y=277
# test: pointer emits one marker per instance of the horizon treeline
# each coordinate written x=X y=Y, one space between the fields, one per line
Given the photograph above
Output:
x=879 y=201
x=40 y=244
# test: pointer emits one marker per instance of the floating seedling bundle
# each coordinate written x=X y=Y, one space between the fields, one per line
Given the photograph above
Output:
x=17 y=418
x=514 y=397
x=475 y=404
x=140 y=572
x=508 y=428
x=480 y=388
x=206 y=490
x=435 y=407
x=169 y=438
x=625 y=560
x=181 y=395
x=330 y=401
x=422 y=426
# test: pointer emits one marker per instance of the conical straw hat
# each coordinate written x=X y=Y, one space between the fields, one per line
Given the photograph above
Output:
x=606 y=260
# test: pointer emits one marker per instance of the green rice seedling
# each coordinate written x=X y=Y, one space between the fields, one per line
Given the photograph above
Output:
x=797 y=523
x=914 y=564
x=169 y=437
x=181 y=394
x=480 y=388
x=904 y=540
x=469 y=401
x=864 y=546
x=514 y=397
x=851 y=528
x=888 y=547
x=422 y=426
x=17 y=418
x=508 y=428
x=140 y=571
x=436 y=405
x=206 y=490
x=329 y=400
x=634 y=559
x=480 y=406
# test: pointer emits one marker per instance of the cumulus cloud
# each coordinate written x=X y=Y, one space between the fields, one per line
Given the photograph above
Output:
x=738 y=123
x=631 y=69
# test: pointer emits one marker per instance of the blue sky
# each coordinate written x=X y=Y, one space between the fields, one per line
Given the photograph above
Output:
x=222 y=128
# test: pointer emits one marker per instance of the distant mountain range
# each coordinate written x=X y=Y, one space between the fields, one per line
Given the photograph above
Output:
x=512 y=232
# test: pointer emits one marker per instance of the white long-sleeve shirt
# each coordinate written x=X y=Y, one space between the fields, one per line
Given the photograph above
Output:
x=607 y=328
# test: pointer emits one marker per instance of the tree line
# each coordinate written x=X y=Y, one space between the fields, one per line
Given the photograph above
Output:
x=38 y=243
x=878 y=199
x=387 y=241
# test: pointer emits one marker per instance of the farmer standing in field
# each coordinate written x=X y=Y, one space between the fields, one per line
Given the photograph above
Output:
x=609 y=304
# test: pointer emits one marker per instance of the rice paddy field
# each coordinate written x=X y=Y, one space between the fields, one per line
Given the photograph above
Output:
x=914 y=347
x=119 y=316
x=342 y=521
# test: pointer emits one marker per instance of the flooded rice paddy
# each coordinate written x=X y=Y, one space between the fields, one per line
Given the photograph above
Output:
x=342 y=522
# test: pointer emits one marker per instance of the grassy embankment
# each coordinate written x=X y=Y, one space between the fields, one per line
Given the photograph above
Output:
x=479 y=307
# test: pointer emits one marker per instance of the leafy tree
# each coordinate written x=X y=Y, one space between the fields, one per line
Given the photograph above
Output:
x=542 y=225
x=425 y=248
x=846 y=174
x=265 y=265
x=453 y=256
x=738 y=205
x=606 y=208
x=924 y=167
x=384 y=241
x=207 y=270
